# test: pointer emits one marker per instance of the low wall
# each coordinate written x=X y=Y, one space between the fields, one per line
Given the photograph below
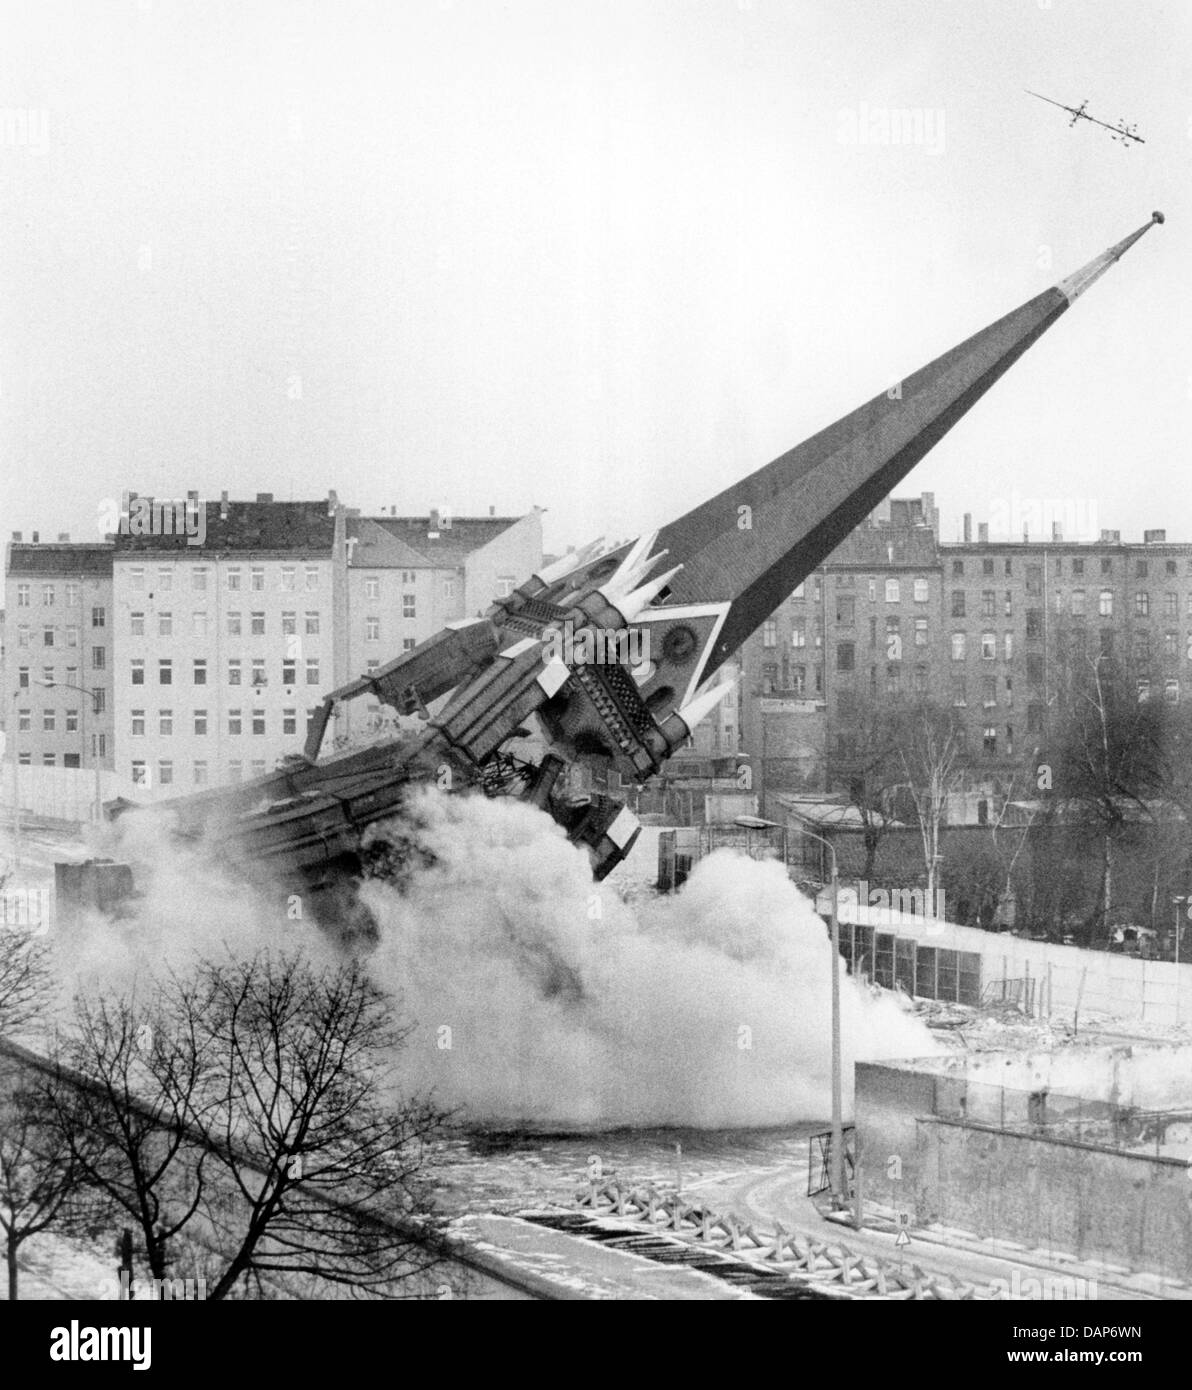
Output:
x=1067 y=977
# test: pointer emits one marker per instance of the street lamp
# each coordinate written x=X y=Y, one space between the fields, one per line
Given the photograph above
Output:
x=94 y=697
x=839 y=1195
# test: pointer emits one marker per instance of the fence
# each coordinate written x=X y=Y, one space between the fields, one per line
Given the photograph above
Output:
x=1048 y=1114
x=58 y=793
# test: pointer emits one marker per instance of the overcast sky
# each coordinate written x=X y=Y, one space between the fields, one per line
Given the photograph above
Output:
x=598 y=257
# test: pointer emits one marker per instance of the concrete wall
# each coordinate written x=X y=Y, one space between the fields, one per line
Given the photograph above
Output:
x=1095 y=981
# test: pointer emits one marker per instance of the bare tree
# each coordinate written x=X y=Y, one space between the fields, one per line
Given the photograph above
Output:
x=25 y=980
x=325 y=1159
x=127 y=1123
x=930 y=751
x=870 y=763
x=38 y=1176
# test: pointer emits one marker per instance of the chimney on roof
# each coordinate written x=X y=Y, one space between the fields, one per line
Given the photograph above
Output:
x=332 y=501
x=1057 y=531
x=223 y=506
x=1026 y=534
x=968 y=527
x=36 y=538
x=16 y=535
x=64 y=535
x=264 y=497
x=434 y=521
x=492 y=511
x=192 y=495
x=1154 y=537
x=1111 y=537
x=393 y=511
x=983 y=532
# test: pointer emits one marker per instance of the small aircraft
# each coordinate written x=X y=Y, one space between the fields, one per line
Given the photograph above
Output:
x=1121 y=131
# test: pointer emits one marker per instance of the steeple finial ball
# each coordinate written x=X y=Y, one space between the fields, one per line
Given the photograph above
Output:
x=1158 y=217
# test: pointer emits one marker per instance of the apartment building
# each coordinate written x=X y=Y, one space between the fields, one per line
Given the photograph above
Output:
x=58 y=659
x=224 y=649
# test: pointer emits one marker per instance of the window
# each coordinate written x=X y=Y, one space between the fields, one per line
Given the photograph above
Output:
x=1077 y=566
x=1171 y=645
x=1171 y=691
x=1170 y=567
x=1034 y=579
x=72 y=674
x=920 y=680
x=372 y=629
x=1142 y=604
x=234 y=625
x=1008 y=695
x=199 y=673
x=289 y=624
x=165 y=580
x=288 y=574
x=987 y=565
x=138 y=670
x=871 y=584
x=798 y=632
x=1009 y=568
x=892 y=591
x=312 y=576
x=165 y=772
x=70 y=760
x=200 y=772
x=165 y=671
x=989 y=740
x=959 y=696
x=988 y=603
x=1077 y=603
x=235 y=771
x=200 y=722
x=165 y=624
x=769 y=633
x=958 y=603
x=1059 y=566
x=198 y=582
x=22 y=634
x=234 y=721
x=136 y=624
x=256 y=578
x=372 y=586
x=22 y=595
x=138 y=722
x=1105 y=603
x=408 y=644
x=988 y=691
x=449 y=588
x=1008 y=646
x=289 y=721
x=232 y=579
x=1008 y=605
x=408 y=608
x=47 y=595
x=23 y=678
x=1009 y=740
x=921 y=590
x=48 y=760
x=1034 y=624
x=920 y=632
x=136 y=577
x=312 y=670
x=1144 y=690
x=957 y=569
x=797 y=593
x=24 y=718
x=1034 y=668
x=99 y=658
x=312 y=624
x=1106 y=566
x=258 y=625
x=140 y=776
x=1140 y=569
x=99 y=699
x=373 y=665
x=845 y=656
x=289 y=671
x=988 y=646
x=1142 y=647
x=47 y=636
x=234 y=665
x=198 y=624
x=47 y=675
x=1171 y=605
x=257 y=767
x=958 y=646
x=98 y=616
x=47 y=721
x=846 y=610
x=258 y=721
x=1107 y=641
x=165 y=722
x=72 y=636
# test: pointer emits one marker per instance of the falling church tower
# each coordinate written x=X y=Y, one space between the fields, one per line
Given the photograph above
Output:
x=502 y=672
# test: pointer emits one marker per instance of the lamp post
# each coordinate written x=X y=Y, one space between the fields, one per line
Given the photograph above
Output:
x=92 y=695
x=16 y=781
x=839 y=1195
